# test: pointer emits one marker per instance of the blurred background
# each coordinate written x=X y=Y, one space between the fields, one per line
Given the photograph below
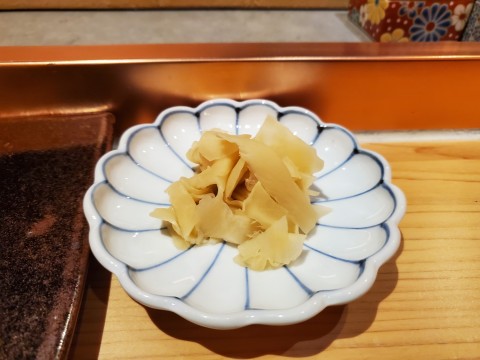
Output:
x=80 y=22
x=138 y=21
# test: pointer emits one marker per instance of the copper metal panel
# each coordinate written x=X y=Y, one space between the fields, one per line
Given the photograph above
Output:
x=367 y=86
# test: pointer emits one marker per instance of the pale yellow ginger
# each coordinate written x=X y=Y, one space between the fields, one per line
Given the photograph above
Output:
x=250 y=192
x=272 y=248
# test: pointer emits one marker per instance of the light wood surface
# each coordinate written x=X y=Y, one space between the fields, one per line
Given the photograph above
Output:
x=425 y=303
x=173 y=4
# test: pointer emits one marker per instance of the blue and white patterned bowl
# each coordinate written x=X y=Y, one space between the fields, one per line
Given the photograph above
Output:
x=203 y=284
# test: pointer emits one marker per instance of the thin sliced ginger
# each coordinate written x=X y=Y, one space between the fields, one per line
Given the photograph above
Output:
x=250 y=192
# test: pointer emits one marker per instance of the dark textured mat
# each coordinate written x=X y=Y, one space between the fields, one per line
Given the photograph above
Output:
x=43 y=233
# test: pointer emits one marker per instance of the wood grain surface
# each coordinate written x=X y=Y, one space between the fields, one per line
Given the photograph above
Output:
x=425 y=303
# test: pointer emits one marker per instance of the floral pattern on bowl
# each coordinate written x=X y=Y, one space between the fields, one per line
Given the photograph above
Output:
x=203 y=284
x=418 y=21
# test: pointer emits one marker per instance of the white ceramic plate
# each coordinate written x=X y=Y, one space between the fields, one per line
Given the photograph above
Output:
x=203 y=284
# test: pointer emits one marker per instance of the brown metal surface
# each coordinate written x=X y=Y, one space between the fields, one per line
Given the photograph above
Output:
x=367 y=86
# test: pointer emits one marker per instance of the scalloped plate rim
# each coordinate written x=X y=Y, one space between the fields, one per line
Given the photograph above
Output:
x=314 y=305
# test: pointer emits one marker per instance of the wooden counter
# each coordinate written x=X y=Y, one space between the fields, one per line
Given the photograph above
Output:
x=425 y=303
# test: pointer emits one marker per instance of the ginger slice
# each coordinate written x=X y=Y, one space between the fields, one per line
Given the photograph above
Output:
x=217 y=220
x=275 y=178
x=260 y=206
x=286 y=144
x=250 y=192
x=272 y=248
